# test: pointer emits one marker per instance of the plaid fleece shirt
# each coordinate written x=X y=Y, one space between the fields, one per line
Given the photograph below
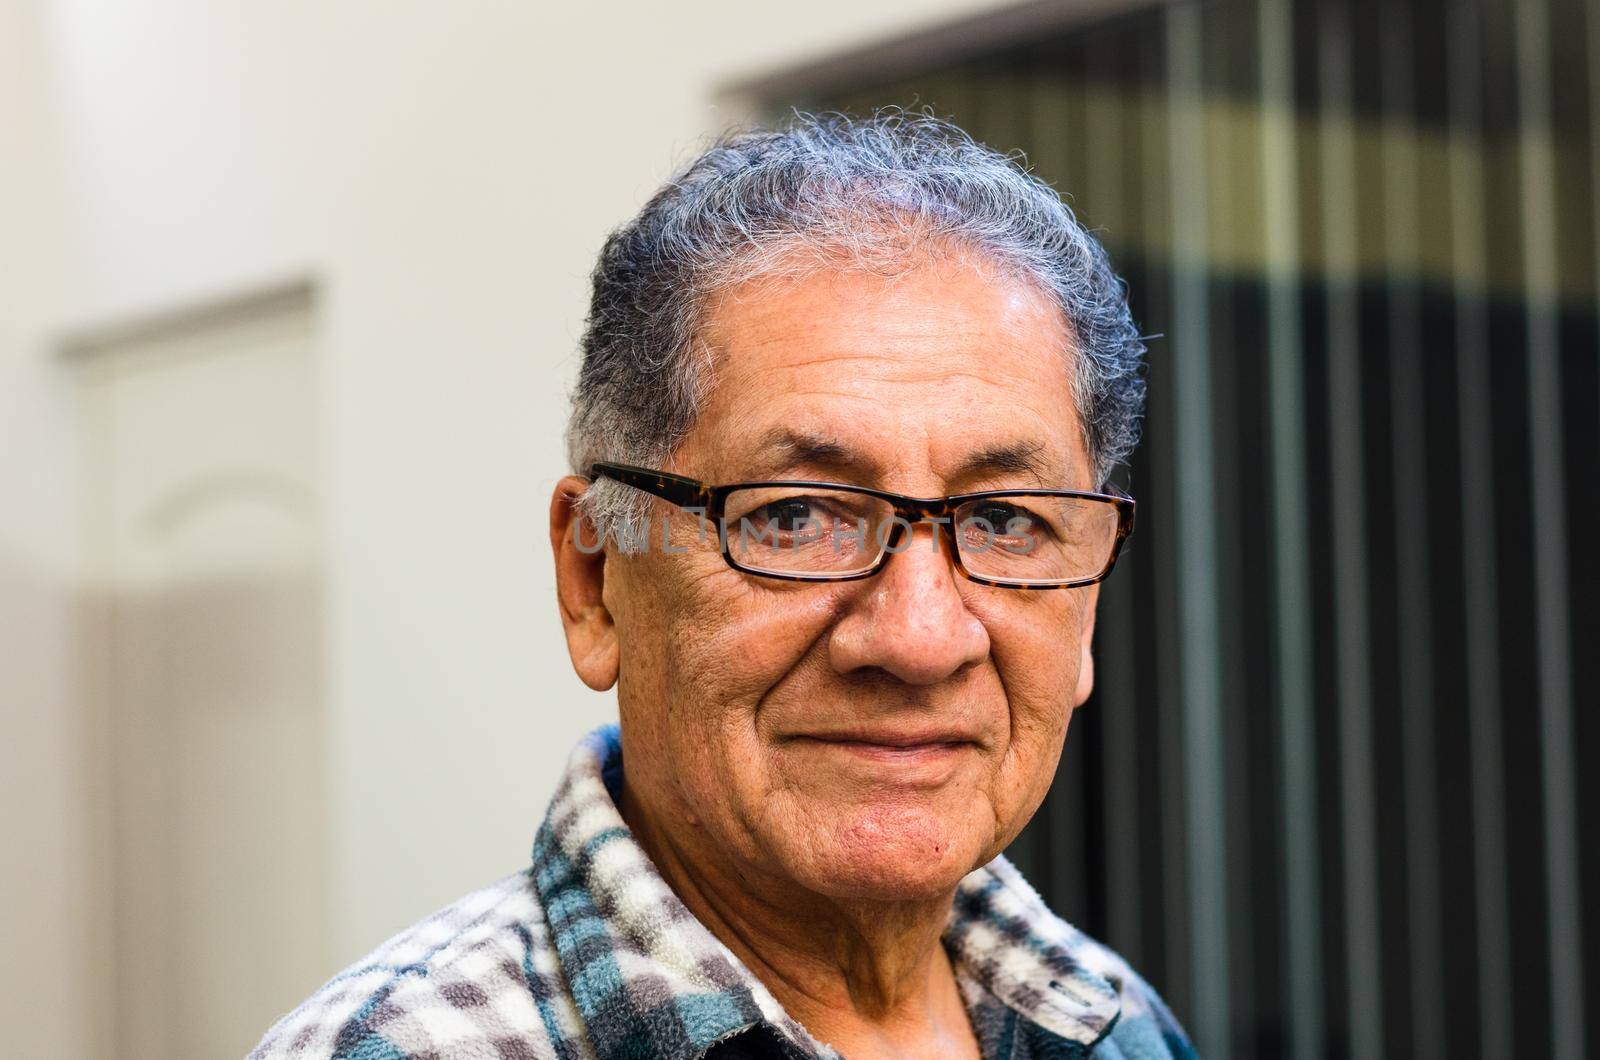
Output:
x=589 y=954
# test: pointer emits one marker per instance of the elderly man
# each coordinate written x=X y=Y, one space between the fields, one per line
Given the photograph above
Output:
x=850 y=395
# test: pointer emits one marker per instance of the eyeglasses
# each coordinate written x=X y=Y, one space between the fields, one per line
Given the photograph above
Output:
x=831 y=531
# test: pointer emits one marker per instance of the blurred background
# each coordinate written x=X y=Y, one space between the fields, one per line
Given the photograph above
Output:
x=289 y=302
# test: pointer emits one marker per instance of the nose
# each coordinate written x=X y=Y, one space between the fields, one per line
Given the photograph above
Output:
x=911 y=620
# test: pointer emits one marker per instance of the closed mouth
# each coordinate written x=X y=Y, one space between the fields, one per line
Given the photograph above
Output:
x=892 y=742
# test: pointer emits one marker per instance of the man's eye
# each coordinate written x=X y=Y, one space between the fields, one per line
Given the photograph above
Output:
x=791 y=514
x=1004 y=518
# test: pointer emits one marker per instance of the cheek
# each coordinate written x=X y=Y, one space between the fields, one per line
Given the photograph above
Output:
x=1034 y=642
x=730 y=641
x=1035 y=645
x=712 y=647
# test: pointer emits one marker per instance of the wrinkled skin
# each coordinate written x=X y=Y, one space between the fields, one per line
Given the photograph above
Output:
x=829 y=867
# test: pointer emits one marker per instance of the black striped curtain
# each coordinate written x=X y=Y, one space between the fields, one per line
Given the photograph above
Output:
x=1331 y=795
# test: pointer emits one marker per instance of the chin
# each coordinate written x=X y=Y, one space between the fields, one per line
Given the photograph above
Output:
x=889 y=854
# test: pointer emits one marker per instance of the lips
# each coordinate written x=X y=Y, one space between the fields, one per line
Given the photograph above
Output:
x=897 y=738
x=903 y=758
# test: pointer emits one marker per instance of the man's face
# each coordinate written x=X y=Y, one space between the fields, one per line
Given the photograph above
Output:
x=756 y=712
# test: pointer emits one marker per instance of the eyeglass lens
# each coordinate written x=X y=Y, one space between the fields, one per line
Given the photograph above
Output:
x=1019 y=539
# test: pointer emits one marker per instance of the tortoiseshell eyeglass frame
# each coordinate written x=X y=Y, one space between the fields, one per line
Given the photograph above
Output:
x=692 y=493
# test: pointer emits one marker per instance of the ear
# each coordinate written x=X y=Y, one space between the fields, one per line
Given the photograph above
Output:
x=1085 y=643
x=580 y=588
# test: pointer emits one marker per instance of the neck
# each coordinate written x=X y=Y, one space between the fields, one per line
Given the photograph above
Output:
x=859 y=971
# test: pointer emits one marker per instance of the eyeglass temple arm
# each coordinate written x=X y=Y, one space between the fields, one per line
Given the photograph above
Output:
x=684 y=492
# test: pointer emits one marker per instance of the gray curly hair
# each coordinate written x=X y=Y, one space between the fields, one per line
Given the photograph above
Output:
x=831 y=189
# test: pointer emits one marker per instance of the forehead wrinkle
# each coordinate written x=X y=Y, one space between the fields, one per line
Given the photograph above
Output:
x=908 y=346
x=937 y=356
x=914 y=372
x=939 y=333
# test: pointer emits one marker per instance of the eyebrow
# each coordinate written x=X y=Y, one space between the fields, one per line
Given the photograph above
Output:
x=786 y=449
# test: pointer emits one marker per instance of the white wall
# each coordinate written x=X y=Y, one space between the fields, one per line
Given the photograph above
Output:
x=43 y=809
x=445 y=172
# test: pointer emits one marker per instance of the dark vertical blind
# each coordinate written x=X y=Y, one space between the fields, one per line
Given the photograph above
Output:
x=1331 y=794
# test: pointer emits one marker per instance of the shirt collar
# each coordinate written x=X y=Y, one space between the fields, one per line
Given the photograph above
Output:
x=651 y=980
